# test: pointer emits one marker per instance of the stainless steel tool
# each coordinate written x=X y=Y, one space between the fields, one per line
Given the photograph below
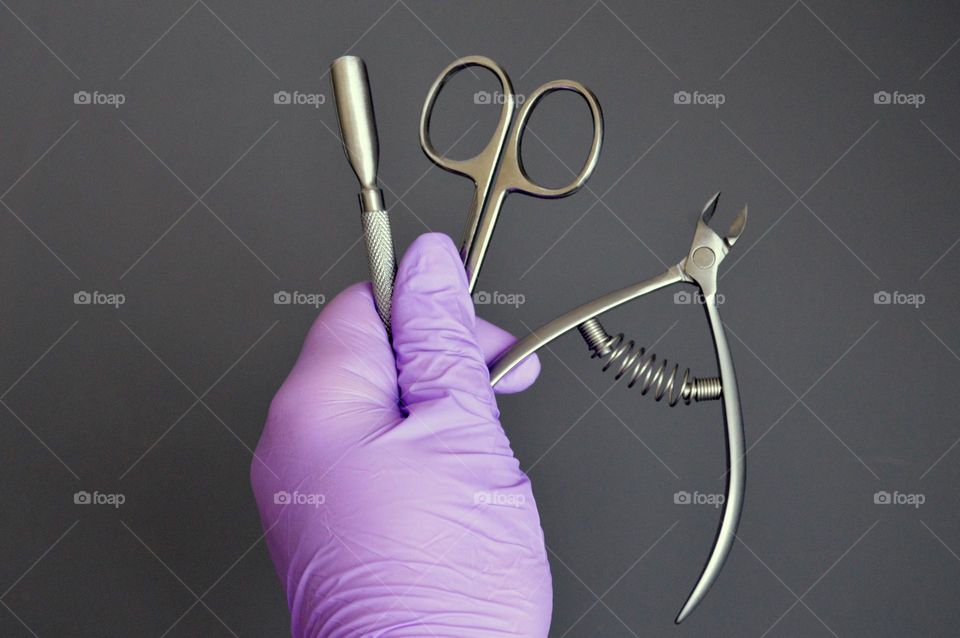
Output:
x=498 y=168
x=358 y=130
x=699 y=267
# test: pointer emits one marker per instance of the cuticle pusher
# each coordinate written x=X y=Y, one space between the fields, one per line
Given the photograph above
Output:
x=358 y=131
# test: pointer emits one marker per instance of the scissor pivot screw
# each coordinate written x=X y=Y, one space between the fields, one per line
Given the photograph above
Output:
x=703 y=257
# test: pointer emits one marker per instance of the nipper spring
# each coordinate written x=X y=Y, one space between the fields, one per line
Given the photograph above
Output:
x=636 y=364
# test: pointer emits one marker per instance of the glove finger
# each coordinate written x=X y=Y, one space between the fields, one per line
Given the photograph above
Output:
x=438 y=358
x=346 y=360
x=494 y=341
x=342 y=388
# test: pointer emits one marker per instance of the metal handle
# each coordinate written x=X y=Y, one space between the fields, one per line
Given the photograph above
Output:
x=570 y=320
x=736 y=462
x=381 y=260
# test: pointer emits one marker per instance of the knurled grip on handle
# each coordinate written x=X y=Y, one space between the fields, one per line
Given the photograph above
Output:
x=383 y=262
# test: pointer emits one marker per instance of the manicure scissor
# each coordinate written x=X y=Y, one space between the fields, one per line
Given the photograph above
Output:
x=498 y=168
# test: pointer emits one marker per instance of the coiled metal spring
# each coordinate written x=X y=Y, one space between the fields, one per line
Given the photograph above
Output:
x=637 y=365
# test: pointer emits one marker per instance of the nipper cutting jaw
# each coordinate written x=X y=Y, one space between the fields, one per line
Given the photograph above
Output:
x=708 y=249
x=700 y=267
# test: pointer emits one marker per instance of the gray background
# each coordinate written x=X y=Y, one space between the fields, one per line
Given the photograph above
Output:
x=199 y=198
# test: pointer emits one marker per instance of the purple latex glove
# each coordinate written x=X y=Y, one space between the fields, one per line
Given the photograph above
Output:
x=391 y=522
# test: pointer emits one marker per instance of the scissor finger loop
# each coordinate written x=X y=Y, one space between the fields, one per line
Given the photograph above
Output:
x=479 y=168
x=513 y=175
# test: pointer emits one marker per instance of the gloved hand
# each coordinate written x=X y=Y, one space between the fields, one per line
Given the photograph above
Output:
x=406 y=521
